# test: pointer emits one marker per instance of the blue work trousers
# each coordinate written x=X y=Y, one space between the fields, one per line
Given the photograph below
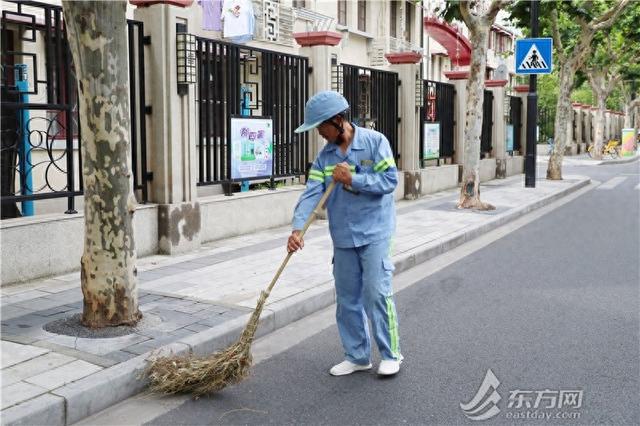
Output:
x=363 y=289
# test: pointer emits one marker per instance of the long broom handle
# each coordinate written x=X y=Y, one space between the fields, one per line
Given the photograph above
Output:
x=316 y=211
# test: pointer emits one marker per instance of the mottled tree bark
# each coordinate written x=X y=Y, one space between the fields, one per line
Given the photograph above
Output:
x=631 y=106
x=563 y=113
x=627 y=109
x=636 y=115
x=97 y=34
x=478 y=24
x=602 y=84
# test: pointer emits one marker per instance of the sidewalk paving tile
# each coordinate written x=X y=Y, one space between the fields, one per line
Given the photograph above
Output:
x=38 y=304
x=20 y=297
x=19 y=392
x=64 y=374
x=33 y=367
x=100 y=347
x=12 y=311
x=14 y=353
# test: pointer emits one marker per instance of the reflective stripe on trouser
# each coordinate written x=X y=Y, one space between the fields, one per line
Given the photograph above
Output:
x=363 y=289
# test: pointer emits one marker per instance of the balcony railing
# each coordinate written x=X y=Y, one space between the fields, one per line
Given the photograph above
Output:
x=381 y=45
x=274 y=22
x=314 y=21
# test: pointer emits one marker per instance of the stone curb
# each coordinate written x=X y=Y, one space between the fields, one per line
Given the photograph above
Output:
x=621 y=161
x=429 y=251
x=78 y=400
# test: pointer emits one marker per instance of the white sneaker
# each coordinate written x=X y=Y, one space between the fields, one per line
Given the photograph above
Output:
x=389 y=367
x=347 y=367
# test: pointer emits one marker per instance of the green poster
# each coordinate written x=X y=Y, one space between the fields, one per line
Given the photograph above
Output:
x=431 y=141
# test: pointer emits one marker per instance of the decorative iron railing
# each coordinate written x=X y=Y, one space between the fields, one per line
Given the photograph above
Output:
x=373 y=98
x=438 y=107
x=41 y=139
x=241 y=80
x=486 y=144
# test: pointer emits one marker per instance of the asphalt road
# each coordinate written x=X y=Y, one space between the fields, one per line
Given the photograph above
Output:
x=551 y=308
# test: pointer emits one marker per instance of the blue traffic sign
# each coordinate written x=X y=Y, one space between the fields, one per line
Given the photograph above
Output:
x=534 y=56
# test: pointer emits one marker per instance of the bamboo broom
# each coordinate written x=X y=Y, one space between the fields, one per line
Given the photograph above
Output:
x=202 y=375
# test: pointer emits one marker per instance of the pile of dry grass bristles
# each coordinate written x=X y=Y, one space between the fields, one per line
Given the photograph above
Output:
x=201 y=375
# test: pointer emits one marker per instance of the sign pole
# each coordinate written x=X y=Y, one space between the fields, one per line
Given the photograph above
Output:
x=532 y=112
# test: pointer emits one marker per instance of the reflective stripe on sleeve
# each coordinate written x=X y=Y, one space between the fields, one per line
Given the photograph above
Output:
x=384 y=165
x=328 y=171
x=316 y=175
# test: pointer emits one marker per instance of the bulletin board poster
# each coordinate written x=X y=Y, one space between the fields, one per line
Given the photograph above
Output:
x=431 y=144
x=251 y=148
x=509 y=137
x=628 y=142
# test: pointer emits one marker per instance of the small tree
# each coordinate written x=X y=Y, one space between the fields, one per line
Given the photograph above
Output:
x=604 y=74
x=616 y=57
x=631 y=106
x=98 y=39
x=571 y=52
x=573 y=25
x=478 y=16
x=630 y=65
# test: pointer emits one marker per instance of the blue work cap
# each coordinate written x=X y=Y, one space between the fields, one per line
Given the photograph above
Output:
x=321 y=107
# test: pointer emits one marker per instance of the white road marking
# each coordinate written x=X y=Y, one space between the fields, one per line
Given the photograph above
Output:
x=613 y=182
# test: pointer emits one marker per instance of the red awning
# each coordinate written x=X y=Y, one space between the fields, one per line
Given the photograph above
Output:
x=451 y=39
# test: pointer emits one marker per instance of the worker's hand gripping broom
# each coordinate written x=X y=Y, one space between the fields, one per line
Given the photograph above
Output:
x=207 y=374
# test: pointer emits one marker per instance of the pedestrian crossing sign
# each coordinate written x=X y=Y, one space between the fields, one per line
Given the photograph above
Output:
x=533 y=56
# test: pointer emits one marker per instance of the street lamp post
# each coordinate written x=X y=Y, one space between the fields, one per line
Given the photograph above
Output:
x=532 y=111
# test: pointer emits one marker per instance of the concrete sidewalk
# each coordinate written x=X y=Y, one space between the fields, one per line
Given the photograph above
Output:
x=585 y=160
x=201 y=301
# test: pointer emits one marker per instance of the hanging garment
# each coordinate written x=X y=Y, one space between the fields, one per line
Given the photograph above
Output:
x=211 y=14
x=239 y=21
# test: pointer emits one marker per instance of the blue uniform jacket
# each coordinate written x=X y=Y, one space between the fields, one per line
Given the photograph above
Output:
x=365 y=213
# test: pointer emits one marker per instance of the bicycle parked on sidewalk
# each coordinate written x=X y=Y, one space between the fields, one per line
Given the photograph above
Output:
x=611 y=149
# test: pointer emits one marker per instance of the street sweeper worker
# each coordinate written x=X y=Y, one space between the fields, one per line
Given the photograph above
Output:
x=361 y=214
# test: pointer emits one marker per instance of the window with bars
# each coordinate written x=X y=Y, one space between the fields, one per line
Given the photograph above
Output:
x=362 y=15
x=408 y=21
x=342 y=12
x=393 y=18
x=299 y=3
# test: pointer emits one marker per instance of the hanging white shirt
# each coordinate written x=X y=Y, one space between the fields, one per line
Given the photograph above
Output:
x=238 y=20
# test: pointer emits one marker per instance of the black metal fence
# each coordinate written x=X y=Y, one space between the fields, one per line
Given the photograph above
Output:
x=373 y=98
x=515 y=119
x=41 y=141
x=39 y=109
x=487 y=124
x=138 y=109
x=545 y=124
x=247 y=81
x=438 y=107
